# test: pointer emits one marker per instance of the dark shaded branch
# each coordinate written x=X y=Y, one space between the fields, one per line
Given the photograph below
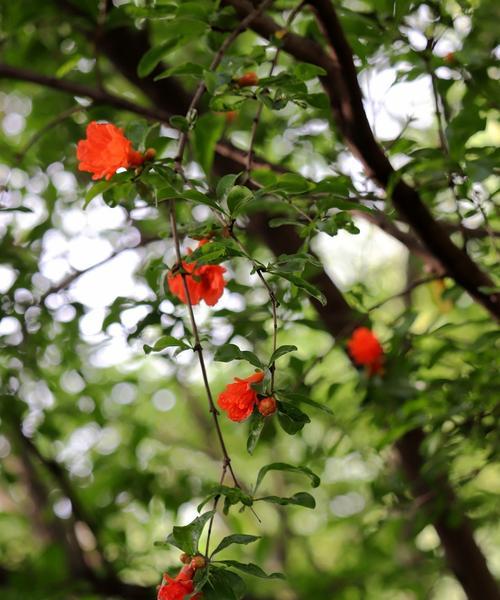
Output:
x=453 y=527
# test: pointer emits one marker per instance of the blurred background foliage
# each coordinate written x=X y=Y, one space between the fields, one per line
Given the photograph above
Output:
x=103 y=448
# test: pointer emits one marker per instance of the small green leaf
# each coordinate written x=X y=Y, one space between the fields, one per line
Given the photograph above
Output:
x=154 y=55
x=180 y=123
x=232 y=496
x=95 y=190
x=251 y=569
x=225 y=184
x=167 y=341
x=307 y=71
x=304 y=285
x=256 y=427
x=23 y=209
x=208 y=131
x=300 y=398
x=237 y=538
x=237 y=197
x=315 y=480
x=300 y=499
x=223 y=585
x=281 y=351
x=187 y=538
x=230 y=352
x=188 y=68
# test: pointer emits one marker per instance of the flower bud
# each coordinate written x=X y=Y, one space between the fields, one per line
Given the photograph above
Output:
x=184 y=558
x=149 y=154
x=198 y=562
x=248 y=79
x=267 y=406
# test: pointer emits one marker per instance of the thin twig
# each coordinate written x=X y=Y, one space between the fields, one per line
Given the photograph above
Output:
x=258 y=114
x=440 y=110
x=47 y=127
x=407 y=290
x=183 y=139
x=213 y=65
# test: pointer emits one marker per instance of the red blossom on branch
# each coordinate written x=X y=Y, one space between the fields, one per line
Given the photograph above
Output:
x=204 y=282
x=366 y=350
x=179 y=587
x=239 y=398
x=105 y=150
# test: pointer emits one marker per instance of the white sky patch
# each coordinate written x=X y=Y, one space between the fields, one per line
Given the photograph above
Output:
x=348 y=258
x=389 y=106
x=100 y=286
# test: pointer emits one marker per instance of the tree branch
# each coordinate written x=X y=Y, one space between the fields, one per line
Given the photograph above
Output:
x=343 y=89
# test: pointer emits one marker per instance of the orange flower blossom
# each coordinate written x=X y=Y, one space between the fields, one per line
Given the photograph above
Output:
x=239 y=398
x=365 y=349
x=179 y=587
x=105 y=150
x=204 y=282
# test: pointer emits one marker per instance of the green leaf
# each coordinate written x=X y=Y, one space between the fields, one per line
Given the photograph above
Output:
x=187 y=538
x=230 y=352
x=179 y=122
x=226 y=102
x=251 y=569
x=232 y=495
x=23 y=209
x=167 y=341
x=225 y=184
x=237 y=197
x=300 y=499
x=154 y=55
x=281 y=351
x=207 y=133
x=300 y=398
x=237 y=538
x=315 y=480
x=291 y=183
x=256 y=426
x=200 y=198
x=304 y=285
x=223 y=585
x=95 y=190
x=306 y=71
x=188 y=68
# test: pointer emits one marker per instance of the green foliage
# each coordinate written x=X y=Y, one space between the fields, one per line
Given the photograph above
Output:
x=106 y=438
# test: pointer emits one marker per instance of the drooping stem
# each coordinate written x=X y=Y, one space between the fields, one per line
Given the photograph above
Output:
x=183 y=139
x=197 y=344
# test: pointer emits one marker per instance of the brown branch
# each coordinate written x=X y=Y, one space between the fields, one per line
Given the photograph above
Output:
x=342 y=86
x=463 y=554
x=84 y=91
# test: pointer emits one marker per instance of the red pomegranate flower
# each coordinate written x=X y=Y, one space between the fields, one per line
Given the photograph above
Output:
x=105 y=150
x=239 y=398
x=365 y=349
x=205 y=282
x=178 y=588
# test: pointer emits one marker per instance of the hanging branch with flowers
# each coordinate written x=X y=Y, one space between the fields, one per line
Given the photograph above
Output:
x=199 y=277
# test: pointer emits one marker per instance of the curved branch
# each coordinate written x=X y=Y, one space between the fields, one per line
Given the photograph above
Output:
x=342 y=87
